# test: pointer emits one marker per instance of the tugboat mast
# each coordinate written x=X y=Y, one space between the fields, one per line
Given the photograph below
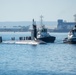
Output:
x=41 y=20
x=75 y=18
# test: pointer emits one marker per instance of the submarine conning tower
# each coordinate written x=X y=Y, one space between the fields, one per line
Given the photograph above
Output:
x=0 y=39
x=34 y=31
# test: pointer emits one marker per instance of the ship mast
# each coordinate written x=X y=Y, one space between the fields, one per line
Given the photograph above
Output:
x=75 y=18
x=41 y=20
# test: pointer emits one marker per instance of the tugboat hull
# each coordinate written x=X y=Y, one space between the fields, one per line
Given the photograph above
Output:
x=70 y=41
x=50 y=39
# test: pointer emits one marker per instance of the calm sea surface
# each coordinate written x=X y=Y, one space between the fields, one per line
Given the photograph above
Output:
x=47 y=59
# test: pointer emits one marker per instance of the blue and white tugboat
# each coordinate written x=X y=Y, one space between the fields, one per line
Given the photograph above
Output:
x=71 y=36
x=43 y=34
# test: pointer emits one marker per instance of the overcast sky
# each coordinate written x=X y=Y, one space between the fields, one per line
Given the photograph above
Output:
x=26 y=10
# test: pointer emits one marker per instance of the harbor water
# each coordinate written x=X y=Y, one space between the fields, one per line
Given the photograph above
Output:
x=43 y=59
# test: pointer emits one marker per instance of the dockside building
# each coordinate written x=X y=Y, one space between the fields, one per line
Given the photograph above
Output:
x=63 y=25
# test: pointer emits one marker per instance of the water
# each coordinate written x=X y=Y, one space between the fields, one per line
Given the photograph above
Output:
x=47 y=59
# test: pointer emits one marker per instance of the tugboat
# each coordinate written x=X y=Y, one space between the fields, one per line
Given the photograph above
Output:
x=43 y=34
x=71 y=36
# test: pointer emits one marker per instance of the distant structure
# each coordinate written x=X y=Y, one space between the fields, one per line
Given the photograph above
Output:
x=62 y=25
x=14 y=29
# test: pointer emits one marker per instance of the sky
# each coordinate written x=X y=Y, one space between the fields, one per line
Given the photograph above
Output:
x=26 y=10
